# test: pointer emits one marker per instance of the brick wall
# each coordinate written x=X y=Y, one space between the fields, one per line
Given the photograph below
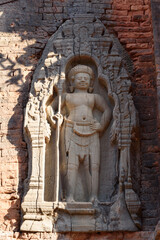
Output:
x=134 y=30
x=78 y=236
x=25 y=27
x=156 y=26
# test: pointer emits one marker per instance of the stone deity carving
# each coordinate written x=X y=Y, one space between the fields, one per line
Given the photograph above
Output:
x=77 y=153
x=80 y=130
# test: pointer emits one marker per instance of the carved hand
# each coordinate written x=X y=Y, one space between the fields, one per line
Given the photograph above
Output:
x=59 y=117
x=96 y=126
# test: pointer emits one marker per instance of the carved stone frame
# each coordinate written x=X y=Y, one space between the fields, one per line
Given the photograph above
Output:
x=79 y=40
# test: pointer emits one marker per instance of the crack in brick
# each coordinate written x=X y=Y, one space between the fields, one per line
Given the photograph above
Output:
x=11 y=1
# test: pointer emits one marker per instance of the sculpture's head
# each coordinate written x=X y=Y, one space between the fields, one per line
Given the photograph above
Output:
x=81 y=76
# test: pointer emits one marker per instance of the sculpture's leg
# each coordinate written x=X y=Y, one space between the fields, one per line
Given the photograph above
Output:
x=95 y=160
x=94 y=182
x=72 y=172
x=87 y=174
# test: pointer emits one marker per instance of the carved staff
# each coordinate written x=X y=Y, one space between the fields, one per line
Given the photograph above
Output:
x=59 y=89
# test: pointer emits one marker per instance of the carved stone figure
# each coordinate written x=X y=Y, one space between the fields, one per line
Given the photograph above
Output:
x=77 y=152
x=81 y=129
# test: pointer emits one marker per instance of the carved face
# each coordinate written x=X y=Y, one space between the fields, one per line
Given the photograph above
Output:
x=82 y=81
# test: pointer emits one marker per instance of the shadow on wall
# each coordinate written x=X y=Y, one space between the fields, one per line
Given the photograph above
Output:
x=25 y=27
x=23 y=38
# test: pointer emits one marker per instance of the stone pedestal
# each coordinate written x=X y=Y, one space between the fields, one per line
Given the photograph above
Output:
x=76 y=217
x=37 y=217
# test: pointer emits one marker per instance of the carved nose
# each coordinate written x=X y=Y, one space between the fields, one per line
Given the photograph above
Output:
x=83 y=80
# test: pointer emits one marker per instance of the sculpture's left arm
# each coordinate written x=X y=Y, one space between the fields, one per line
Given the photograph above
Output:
x=103 y=107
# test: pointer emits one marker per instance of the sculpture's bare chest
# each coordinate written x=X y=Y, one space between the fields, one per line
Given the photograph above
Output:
x=75 y=100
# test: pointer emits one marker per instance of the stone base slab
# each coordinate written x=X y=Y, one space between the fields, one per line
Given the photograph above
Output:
x=75 y=217
x=65 y=217
x=37 y=225
x=10 y=235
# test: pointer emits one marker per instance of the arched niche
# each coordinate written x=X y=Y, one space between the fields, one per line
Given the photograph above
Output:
x=84 y=41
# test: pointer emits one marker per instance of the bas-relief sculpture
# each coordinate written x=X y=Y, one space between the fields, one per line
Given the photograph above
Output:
x=80 y=126
x=81 y=130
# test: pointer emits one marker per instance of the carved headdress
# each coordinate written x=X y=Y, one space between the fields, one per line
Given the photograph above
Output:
x=80 y=69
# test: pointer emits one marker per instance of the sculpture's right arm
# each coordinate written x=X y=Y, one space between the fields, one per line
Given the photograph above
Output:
x=52 y=116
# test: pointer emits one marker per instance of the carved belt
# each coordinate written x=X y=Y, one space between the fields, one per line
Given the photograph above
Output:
x=80 y=128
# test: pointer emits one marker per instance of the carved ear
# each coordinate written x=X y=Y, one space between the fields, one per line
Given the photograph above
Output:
x=90 y=89
x=71 y=88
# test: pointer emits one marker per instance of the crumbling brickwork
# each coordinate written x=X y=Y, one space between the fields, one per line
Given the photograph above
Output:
x=79 y=236
x=134 y=29
x=25 y=27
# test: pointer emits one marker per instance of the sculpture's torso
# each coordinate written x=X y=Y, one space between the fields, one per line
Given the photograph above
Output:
x=80 y=106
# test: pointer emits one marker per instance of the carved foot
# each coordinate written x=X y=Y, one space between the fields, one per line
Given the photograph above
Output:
x=70 y=199
x=94 y=199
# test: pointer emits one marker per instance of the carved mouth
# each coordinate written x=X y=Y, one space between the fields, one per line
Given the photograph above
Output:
x=83 y=84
